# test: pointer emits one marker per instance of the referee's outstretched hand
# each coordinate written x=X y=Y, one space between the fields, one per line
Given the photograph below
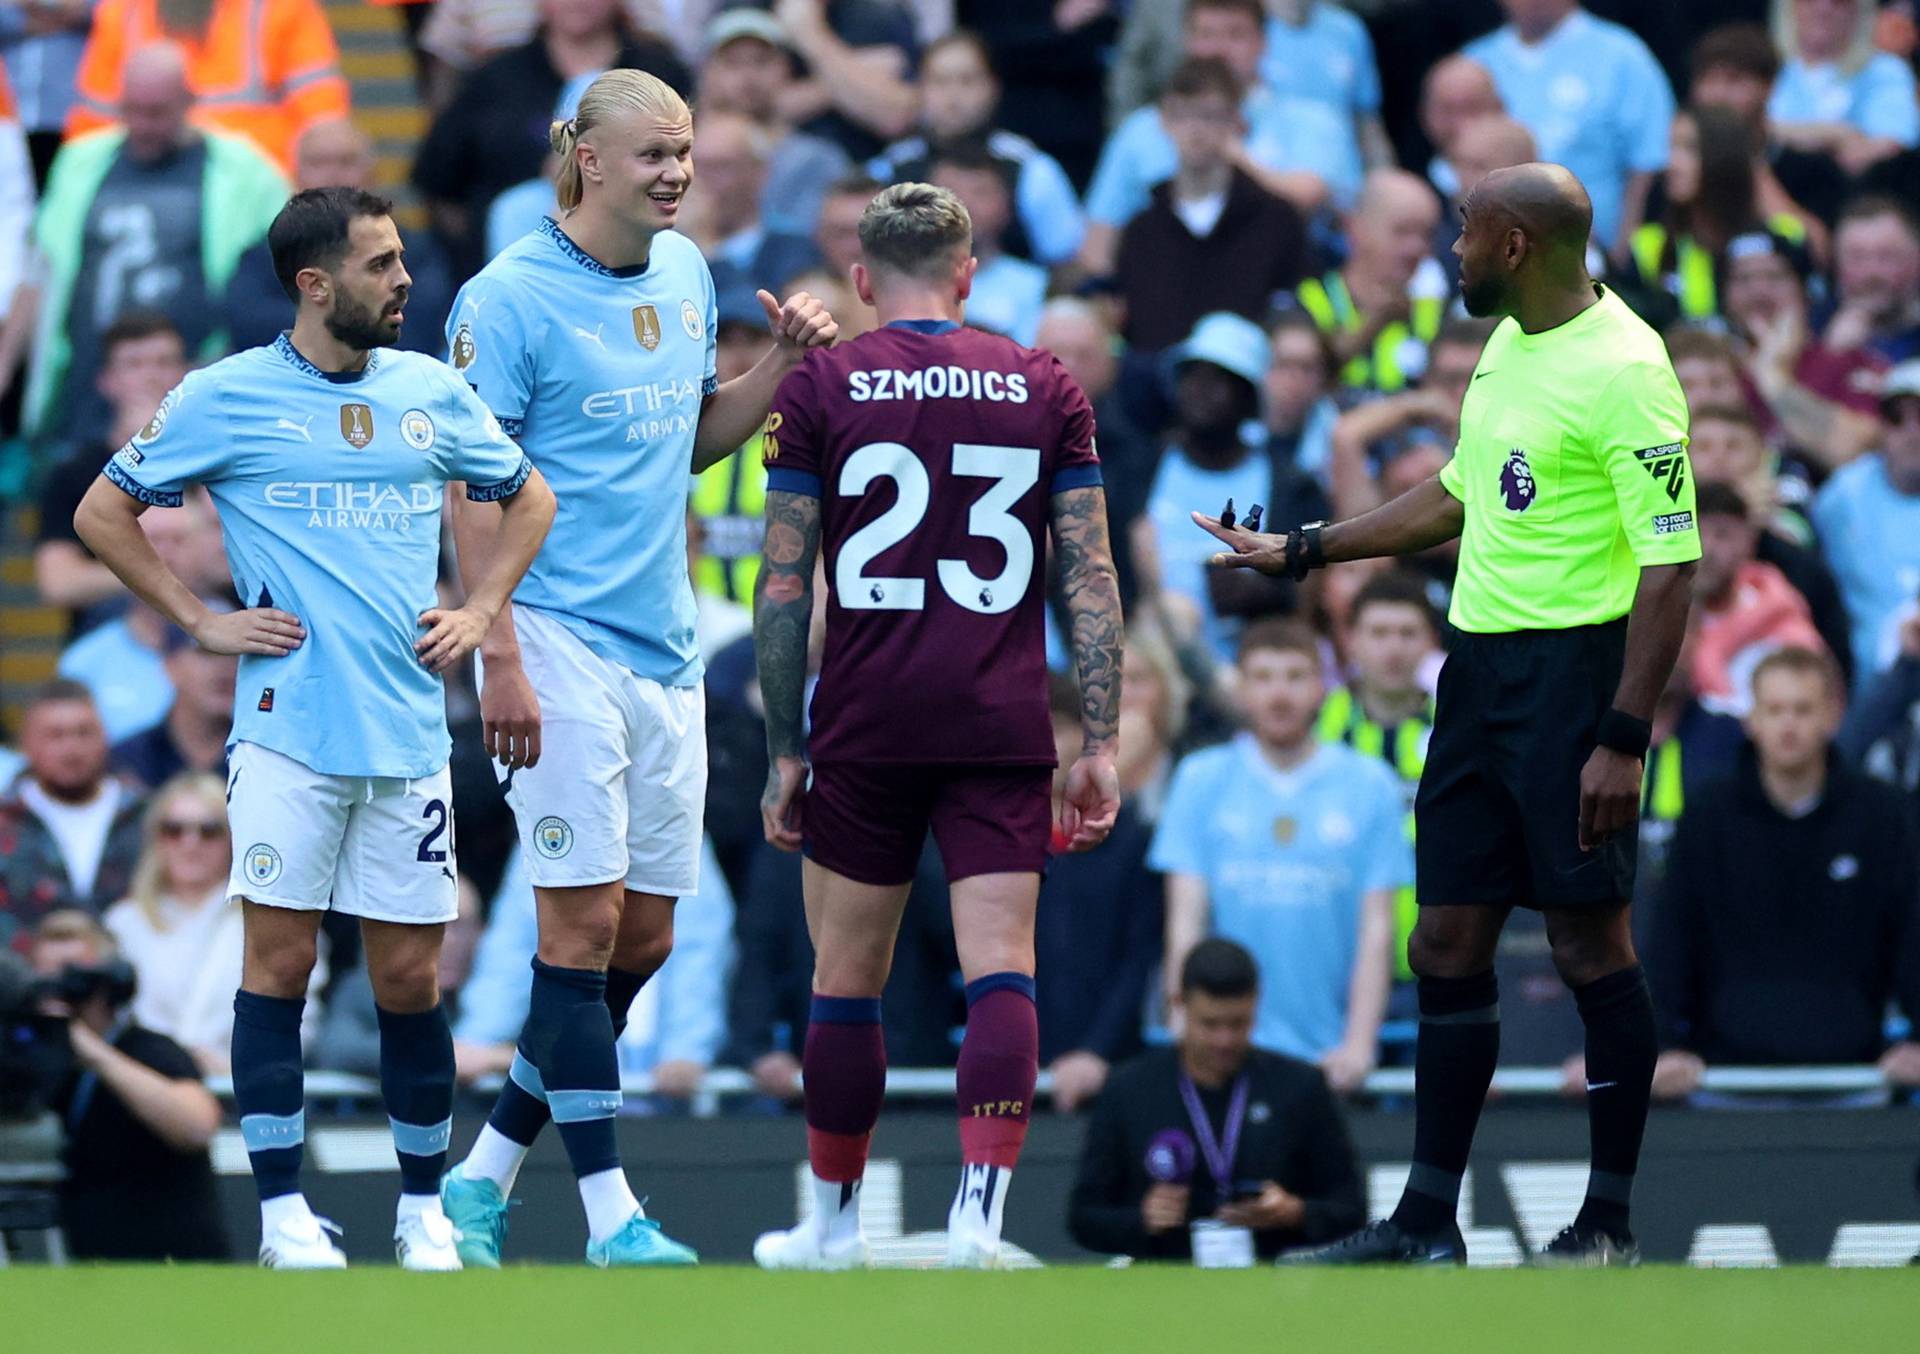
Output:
x=1609 y=796
x=1260 y=550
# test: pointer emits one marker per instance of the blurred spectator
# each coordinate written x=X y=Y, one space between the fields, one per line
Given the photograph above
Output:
x=339 y=155
x=1837 y=95
x=1708 y=366
x=1079 y=335
x=193 y=736
x=1734 y=67
x=121 y=662
x=1824 y=400
x=1748 y=609
x=837 y=229
x=1210 y=238
x=1788 y=921
x=1096 y=933
x=1868 y=519
x=731 y=161
x=174 y=925
x=1212 y=455
x=677 y=1023
x=138 y=1122
x=152 y=216
x=1709 y=195
x=1008 y=293
x=1725 y=447
x=1300 y=410
x=748 y=68
x=42 y=44
x=1173 y=1123
x=69 y=834
x=460 y=35
x=1293 y=848
x=1053 y=61
x=1291 y=146
x=1881 y=735
x=1692 y=747
x=1458 y=91
x=141 y=359
x=959 y=97
x=718 y=620
x=1373 y=434
x=1384 y=305
x=520 y=209
x=1320 y=50
x=1494 y=141
x=857 y=89
x=729 y=498
x=1876 y=250
x=1594 y=98
x=1148 y=50
x=493 y=134
x=263 y=69
x=17 y=190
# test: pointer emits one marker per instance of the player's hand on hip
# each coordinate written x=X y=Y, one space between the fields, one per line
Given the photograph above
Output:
x=1609 y=796
x=780 y=802
x=802 y=323
x=509 y=716
x=1091 y=803
x=452 y=634
x=257 y=630
x=1261 y=550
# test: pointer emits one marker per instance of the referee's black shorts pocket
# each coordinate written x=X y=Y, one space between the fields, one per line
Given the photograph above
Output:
x=1468 y=839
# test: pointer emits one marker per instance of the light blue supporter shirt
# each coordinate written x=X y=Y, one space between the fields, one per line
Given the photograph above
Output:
x=1287 y=857
x=1179 y=487
x=1328 y=58
x=1595 y=100
x=1878 y=99
x=329 y=491
x=600 y=373
x=1870 y=534
x=1283 y=133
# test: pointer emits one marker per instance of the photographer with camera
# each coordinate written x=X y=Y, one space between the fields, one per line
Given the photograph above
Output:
x=138 y=1121
x=1214 y=1149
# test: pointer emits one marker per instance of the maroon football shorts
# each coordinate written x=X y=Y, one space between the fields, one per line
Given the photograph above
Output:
x=868 y=821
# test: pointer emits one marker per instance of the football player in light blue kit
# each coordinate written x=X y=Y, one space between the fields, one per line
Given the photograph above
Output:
x=592 y=341
x=326 y=453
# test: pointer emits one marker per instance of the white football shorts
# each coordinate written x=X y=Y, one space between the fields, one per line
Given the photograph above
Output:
x=373 y=846
x=620 y=790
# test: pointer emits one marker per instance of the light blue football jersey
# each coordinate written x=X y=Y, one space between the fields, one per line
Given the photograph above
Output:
x=329 y=491
x=600 y=374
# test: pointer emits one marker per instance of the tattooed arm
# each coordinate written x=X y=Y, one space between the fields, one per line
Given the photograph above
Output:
x=1093 y=606
x=782 y=615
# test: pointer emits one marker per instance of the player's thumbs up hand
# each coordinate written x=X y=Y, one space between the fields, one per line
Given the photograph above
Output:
x=802 y=323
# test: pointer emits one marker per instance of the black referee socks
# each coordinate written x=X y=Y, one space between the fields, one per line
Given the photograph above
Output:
x=1453 y=1066
x=1622 y=1045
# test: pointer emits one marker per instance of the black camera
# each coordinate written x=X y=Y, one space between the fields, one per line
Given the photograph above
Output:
x=36 y=1055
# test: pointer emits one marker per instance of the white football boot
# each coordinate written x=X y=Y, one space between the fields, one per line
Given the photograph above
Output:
x=426 y=1242
x=302 y=1243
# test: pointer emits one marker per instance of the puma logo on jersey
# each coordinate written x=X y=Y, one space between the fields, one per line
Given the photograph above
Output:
x=304 y=427
x=593 y=334
x=1667 y=463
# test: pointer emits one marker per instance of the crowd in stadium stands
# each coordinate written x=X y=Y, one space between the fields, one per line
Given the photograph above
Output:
x=1232 y=220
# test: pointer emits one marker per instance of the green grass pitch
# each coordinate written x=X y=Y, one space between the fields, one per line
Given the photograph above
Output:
x=130 y=1310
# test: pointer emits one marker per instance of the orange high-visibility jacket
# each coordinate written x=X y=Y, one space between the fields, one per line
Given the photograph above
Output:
x=265 y=69
x=8 y=111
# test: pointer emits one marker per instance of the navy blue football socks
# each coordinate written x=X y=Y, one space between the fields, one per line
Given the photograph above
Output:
x=416 y=1079
x=269 y=1089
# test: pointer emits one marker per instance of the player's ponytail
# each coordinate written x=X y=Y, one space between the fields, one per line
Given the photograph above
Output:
x=614 y=93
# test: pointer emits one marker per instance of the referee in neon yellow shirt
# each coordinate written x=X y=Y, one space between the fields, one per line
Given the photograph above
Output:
x=1571 y=495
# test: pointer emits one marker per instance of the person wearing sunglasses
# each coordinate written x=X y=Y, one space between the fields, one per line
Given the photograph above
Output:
x=174 y=927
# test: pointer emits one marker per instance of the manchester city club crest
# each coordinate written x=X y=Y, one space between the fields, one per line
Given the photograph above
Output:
x=464 y=350
x=646 y=327
x=356 y=424
x=1517 y=485
x=263 y=864
x=552 y=837
x=416 y=429
x=691 y=322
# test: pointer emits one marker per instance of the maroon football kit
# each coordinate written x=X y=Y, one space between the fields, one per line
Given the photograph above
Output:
x=935 y=452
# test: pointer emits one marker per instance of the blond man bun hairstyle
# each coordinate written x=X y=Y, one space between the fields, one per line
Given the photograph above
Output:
x=616 y=92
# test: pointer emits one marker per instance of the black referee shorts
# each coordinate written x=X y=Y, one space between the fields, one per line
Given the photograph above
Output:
x=1497 y=817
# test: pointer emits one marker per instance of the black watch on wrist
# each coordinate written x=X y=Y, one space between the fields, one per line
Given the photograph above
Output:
x=1304 y=551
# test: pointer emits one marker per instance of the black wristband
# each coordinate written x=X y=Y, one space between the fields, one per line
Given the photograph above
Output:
x=1624 y=734
x=1315 y=554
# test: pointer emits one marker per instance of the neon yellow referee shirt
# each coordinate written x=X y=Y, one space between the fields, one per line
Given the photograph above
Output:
x=1572 y=466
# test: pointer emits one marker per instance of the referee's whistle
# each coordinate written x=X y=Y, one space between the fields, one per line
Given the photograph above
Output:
x=1226 y=515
